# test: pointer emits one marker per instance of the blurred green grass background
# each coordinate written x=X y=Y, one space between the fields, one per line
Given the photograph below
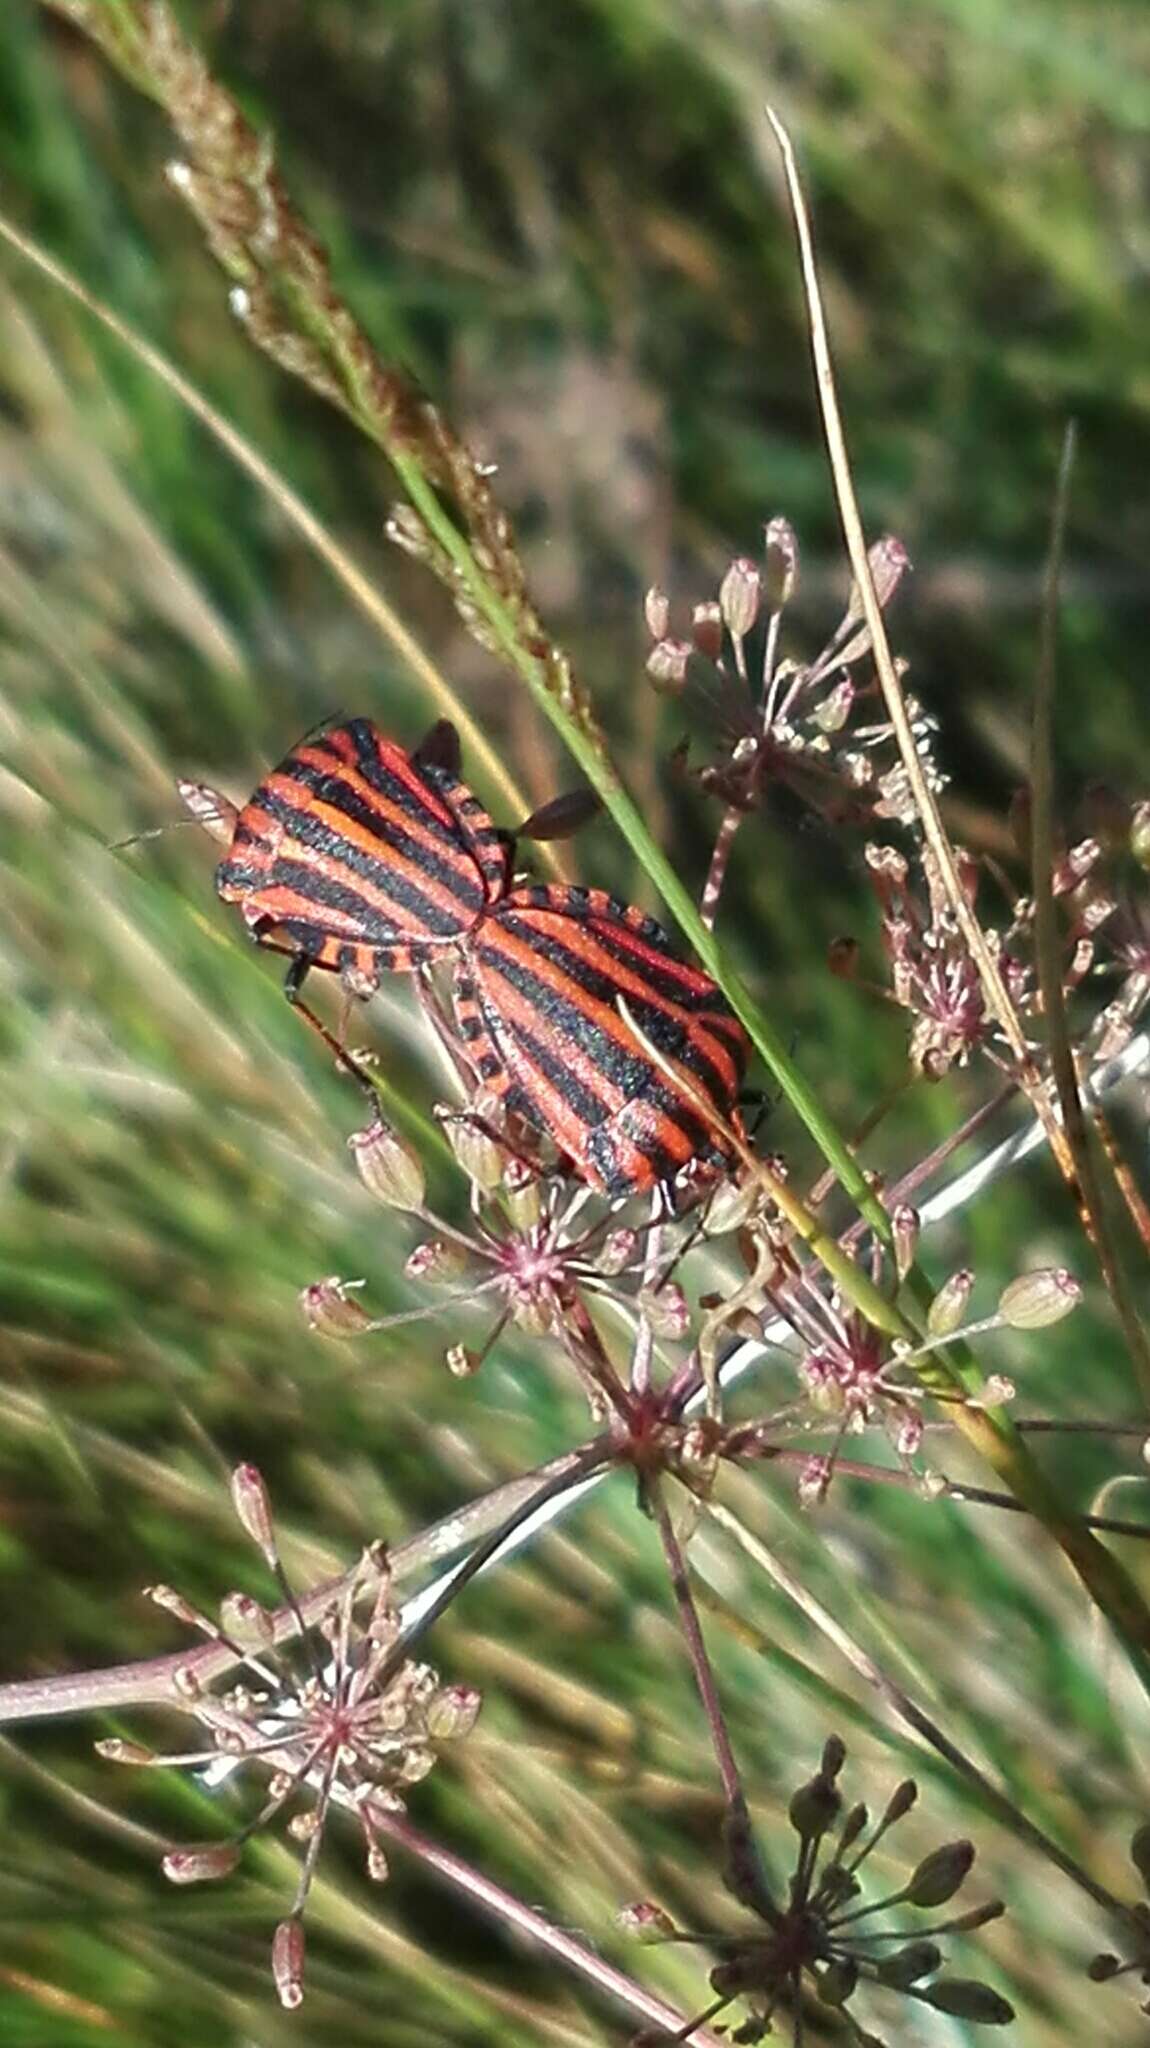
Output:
x=568 y=220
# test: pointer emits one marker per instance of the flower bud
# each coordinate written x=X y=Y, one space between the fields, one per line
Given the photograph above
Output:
x=1076 y=865
x=1140 y=1852
x=824 y=1391
x=253 y=1508
x=904 y=1968
x=857 y=771
x=888 y=561
x=739 y=595
x=814 y=1808
x=900 y=1802
x=645 y=1921
x=214 y=811
x=833 y=1758
x=853 y=1826
x=843 y=958
x=437 y=1258
x=378 y=1868
x=666 y=1310
x=908 y=1433
x=832 y=713
x=1140 y=834
x=479 y=1154
x=782 y=567
x=814 y=1479
x=1081 y=961
x=617 y=1251
x=905 y=1224
x=247 y=1622
x=965 y=1999
x=331 y=1309
x=453 y=1713
x=657 y=612
x=200 y=1865
x=174 y=1603
x=415 y=1764
x=521 y=1196
x=1035 y=1300
x=707 y=630
x=389 y=1167
x=667 y=666
x=837 y=1980
x=405 y=529
x=729 y=1206
x=1100 y=1968
x=116 y=1751
x=940 y=1874
x=461 y=1361
x=287 y=1962
x=534 y=1313
x=949 y=1306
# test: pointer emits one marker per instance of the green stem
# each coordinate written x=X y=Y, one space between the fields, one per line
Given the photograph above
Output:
x=990 y=1432
x=604 y=780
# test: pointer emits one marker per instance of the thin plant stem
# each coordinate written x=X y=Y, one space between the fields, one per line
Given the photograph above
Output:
x=359 y=587
x=285 y=290
x=1048 y=950
x=507 y=1911
x=738 y=1811
x=729 y=824
x=644 y=1349
x=733 y=816
x=584 y=1462
x=908 y=1482
x=160 y=1680
x=997 y=995
x=1124 y=1180
x=905 y=1709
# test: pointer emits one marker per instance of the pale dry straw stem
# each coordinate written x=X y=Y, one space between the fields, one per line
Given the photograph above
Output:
x=500 y=1513
x=501 y=1905
x=493 y=1900
x=717 y=872
x=955 y=1196
x=298 y=514
x=154 y=1679
x=526 y=1924
x=1087 y=1180
x=997 y=996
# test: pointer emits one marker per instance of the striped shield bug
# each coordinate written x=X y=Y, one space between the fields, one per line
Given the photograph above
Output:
x=360 y=858
x=539 y=990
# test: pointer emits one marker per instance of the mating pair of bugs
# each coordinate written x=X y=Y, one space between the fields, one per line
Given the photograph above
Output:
x=359 y=857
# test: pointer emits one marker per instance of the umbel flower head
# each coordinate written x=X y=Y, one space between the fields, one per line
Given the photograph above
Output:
x=1106 y=1966
x=855 y=1376
x=329 y=1708
x=784 y=721
x=539 y=1249
x=822 y=1942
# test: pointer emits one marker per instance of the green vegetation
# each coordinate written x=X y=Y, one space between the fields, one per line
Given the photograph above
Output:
x=569 y=224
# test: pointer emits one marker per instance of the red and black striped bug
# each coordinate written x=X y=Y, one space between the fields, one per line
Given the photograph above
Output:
x=358 y=857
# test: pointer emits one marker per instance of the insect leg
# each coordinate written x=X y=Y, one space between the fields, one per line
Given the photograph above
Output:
x=346 y=1062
